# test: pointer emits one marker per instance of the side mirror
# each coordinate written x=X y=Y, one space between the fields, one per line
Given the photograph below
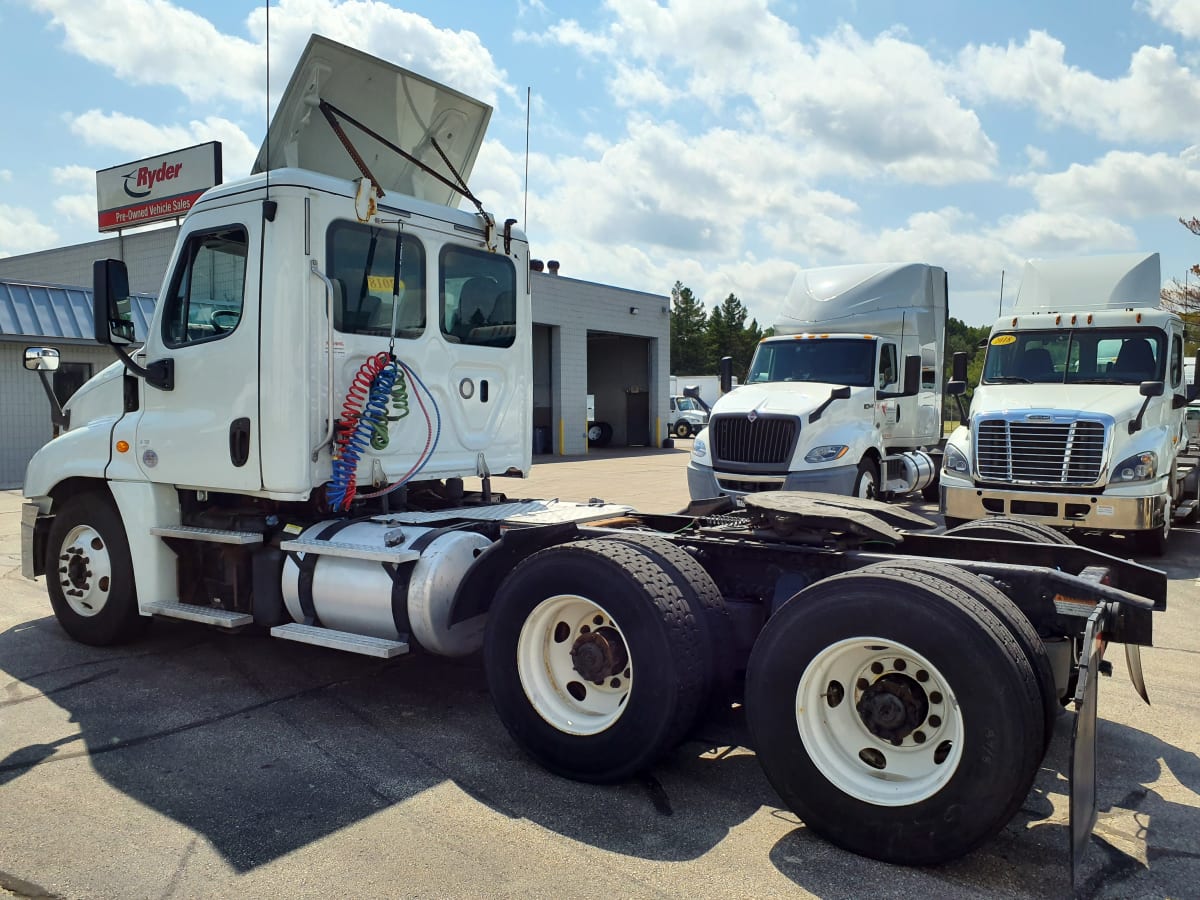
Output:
x=41 y=359
x=958 y=369
x=838 y=393
x=112 y=310
x=956 y=388
x=1151 y=388
x=726 y=374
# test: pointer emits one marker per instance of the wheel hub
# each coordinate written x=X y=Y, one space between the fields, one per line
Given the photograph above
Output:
x=599 y=654
x=77 y=569
x=893 y=707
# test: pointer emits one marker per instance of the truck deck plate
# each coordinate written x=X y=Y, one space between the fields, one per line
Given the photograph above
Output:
x=340 y=640
x=521 y=512
x=222 y=618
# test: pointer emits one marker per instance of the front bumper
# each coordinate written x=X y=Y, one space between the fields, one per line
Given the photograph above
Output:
x=704 y=482
x=1106 y=513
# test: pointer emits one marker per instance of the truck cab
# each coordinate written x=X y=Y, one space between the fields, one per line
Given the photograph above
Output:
x=1079 y=419
x=845 y=398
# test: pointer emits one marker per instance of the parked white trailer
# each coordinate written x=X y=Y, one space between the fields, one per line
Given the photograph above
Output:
x=337 y=348
x=846 y=398
x=1079 y=417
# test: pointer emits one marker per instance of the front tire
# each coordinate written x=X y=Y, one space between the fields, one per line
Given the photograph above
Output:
x=595 y=662
x=89 y=572
x=896 y=716
x=683 y=430
x=866 y=482
x=1154 y=542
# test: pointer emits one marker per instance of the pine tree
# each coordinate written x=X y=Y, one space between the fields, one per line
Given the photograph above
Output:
x=689 y=351
x=728 y=335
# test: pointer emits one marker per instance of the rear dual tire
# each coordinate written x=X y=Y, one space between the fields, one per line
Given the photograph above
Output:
x=859 y=661
x=595 y=660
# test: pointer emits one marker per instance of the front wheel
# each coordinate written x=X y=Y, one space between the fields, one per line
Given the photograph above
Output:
x=1154 y=542
x=866 y=482
x=89 y=572
x=683 y=429
x=594 y=660
x=898 y=718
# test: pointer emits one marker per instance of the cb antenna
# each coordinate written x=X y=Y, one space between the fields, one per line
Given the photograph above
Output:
x=528 y=94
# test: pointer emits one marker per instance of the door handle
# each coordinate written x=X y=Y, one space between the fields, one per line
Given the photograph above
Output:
x=239 y=441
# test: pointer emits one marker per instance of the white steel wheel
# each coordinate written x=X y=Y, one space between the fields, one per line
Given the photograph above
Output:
x=84 y=570
x=573 y=664
x=866 y=482
x=879 y=721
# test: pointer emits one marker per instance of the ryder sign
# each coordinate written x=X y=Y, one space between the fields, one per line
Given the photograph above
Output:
x=159 y=187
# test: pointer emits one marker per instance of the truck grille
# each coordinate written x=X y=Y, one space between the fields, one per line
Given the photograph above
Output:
x=1057 y=453
x=760 y=441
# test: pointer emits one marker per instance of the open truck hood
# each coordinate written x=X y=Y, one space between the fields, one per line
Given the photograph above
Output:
x=402 y=107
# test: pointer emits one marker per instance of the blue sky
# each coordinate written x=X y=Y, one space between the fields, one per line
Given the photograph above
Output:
x=721 y=144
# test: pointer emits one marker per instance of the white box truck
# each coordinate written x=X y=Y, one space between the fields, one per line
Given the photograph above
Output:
x=1079 y=419
x=845 y=398
x=336 y=349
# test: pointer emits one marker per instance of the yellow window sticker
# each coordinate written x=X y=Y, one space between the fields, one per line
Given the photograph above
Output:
x=1002 y=340
x=383 y=283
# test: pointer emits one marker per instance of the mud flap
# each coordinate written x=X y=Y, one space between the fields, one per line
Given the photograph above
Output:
x=1083 y=738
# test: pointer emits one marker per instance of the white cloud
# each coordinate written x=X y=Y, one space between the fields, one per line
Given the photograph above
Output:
x=79 y=208
x=137 y=137
x=1123 y=185
x=1158 y=99
x=1182 y=16
x=1038 y=158
x=21 y=232
x=158 y=43
x=881 y=106
x=5 y=175
x=74 y=176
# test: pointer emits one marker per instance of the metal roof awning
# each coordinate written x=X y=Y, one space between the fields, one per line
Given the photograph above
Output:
x=58 y=312
x=404 y=108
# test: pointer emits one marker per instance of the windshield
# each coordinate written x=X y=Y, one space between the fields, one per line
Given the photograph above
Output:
x=849 y=361
x=687 y=404
x=1091 y=356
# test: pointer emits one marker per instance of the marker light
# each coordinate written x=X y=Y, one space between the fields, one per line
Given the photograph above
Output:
x=122 y=446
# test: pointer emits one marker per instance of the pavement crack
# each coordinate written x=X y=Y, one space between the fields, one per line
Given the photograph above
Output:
x=41 y=695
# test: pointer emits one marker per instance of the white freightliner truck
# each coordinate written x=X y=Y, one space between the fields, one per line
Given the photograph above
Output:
x=845 y=398
x=1079 y=419
x=328 y=362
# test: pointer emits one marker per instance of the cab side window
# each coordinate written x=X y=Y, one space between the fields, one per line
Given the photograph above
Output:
x=478 y=297
x=362 y=268
x=887 y=365
x=208 y=290
x=1176 y=361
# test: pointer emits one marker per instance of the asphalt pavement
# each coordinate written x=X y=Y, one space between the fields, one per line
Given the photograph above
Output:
x=197 y=763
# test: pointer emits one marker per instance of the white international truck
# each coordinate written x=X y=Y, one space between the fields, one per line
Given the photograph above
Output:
x=339 y=367
x=1079 y=419
x=845 y=398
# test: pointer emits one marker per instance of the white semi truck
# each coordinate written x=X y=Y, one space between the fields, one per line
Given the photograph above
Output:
x=845 y=398
x=339 y=366
x=1079 y=419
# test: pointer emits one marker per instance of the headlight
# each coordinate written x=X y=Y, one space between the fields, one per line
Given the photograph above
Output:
x=699 y=449
x=955 y=461
x=827 y=453
x=1139 y=467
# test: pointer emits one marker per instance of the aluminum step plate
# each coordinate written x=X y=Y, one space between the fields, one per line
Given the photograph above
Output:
x=207 y=615
x=213 y=535
x=521 y=512
x=340 y=640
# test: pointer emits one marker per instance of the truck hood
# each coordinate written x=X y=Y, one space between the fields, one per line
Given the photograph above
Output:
x=781 y=398
x=1121 y=401
x=404 y=108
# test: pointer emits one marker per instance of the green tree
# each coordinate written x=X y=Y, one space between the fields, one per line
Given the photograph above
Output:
x=729 y=335
x=1183 y=297
x=689 y=343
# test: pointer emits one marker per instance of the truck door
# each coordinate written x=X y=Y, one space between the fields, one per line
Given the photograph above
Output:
x=887 y=379
x=204 y=432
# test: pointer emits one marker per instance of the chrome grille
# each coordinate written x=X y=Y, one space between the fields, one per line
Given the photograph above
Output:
x=762 y=441
x=1021 y=452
